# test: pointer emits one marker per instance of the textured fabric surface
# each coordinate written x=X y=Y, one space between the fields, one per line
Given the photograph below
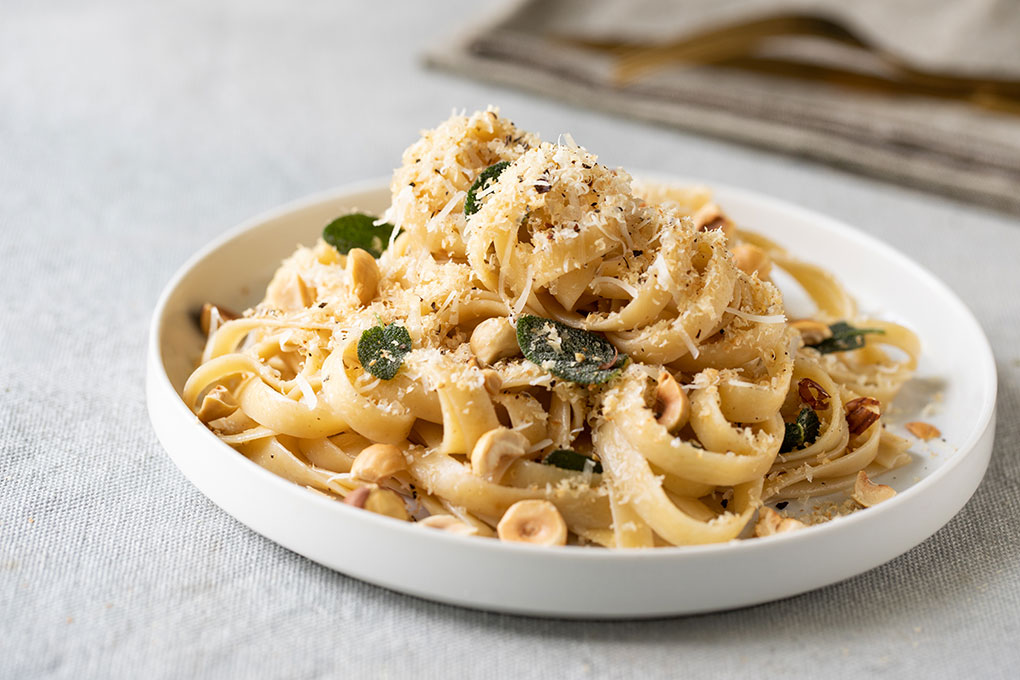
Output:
x=130 y=135
x=952 y=141
x=967 y=39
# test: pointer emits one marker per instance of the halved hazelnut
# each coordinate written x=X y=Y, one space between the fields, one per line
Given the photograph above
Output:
x=364 y=274
x=379 y=501
x=533 y=521
x=673 y=405
x=289 y=292
x=710 y=218
x=752 y=260
x=771 y=522
x=217 y=403
x=493 y=382
x=811 y=331
x=217 y=312
x=494 y=339
x=923 y=431
x=496 y=450
x=357 y=496
x=867 y=493
x=378 y=462
x=449 y=523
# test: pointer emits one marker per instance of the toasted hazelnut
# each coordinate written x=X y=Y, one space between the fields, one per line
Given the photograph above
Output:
x=378 y=462
x=358 y=496
x=674 y=406
x=217 y=403
x=386 y=502
x=235 y=423
x=771 y=522
x=493 y=383
x=752 y=260
x=289 y=292
x=710 y=218
x=496 y=450
x=923 y=431
x=364 y=274
x=811 y=331
x=533 y=521
x=494 y=339
x=868 y=493
x=210 y=311
x=379 y=501
x=449 y=523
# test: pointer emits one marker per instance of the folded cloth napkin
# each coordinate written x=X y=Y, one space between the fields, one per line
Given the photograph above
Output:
x=924 y=93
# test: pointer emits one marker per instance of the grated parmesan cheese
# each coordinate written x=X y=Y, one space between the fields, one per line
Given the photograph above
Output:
x=525 y=294
x=538 y=446
x=757 y=318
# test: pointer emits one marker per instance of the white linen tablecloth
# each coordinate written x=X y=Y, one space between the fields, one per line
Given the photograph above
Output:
x=133 y=133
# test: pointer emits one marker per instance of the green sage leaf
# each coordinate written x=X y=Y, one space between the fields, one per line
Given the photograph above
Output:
x=381 y=350
x=358 y=230
x=571 y=460
x=484 y=179
x=844 y=338
x=801 y=432
x=568 y=353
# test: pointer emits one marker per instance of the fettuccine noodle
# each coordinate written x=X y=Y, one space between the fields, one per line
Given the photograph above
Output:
x=680 y=445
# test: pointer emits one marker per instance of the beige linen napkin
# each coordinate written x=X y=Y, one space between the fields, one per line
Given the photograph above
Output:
x=920 y=91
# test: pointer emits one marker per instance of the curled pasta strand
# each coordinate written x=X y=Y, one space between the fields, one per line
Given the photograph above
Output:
x=383 y=421
x=625 y=404
x=639 y=487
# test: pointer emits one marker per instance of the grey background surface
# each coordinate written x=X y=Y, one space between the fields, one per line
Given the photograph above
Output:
x=133 y=133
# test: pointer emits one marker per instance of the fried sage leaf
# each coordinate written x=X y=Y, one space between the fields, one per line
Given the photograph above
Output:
x=358 y=230
x=568 y=353
x=801 y=432
x=571 y=460
x=381 y=350
x=485 y=178
x=844 y=338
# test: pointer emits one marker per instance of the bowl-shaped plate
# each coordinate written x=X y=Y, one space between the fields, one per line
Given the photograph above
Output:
x=956 y=375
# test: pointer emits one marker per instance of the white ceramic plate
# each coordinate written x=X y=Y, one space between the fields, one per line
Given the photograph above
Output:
x=957 y=365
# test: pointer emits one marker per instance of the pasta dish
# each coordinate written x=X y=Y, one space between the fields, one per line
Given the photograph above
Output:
x=532 y=346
